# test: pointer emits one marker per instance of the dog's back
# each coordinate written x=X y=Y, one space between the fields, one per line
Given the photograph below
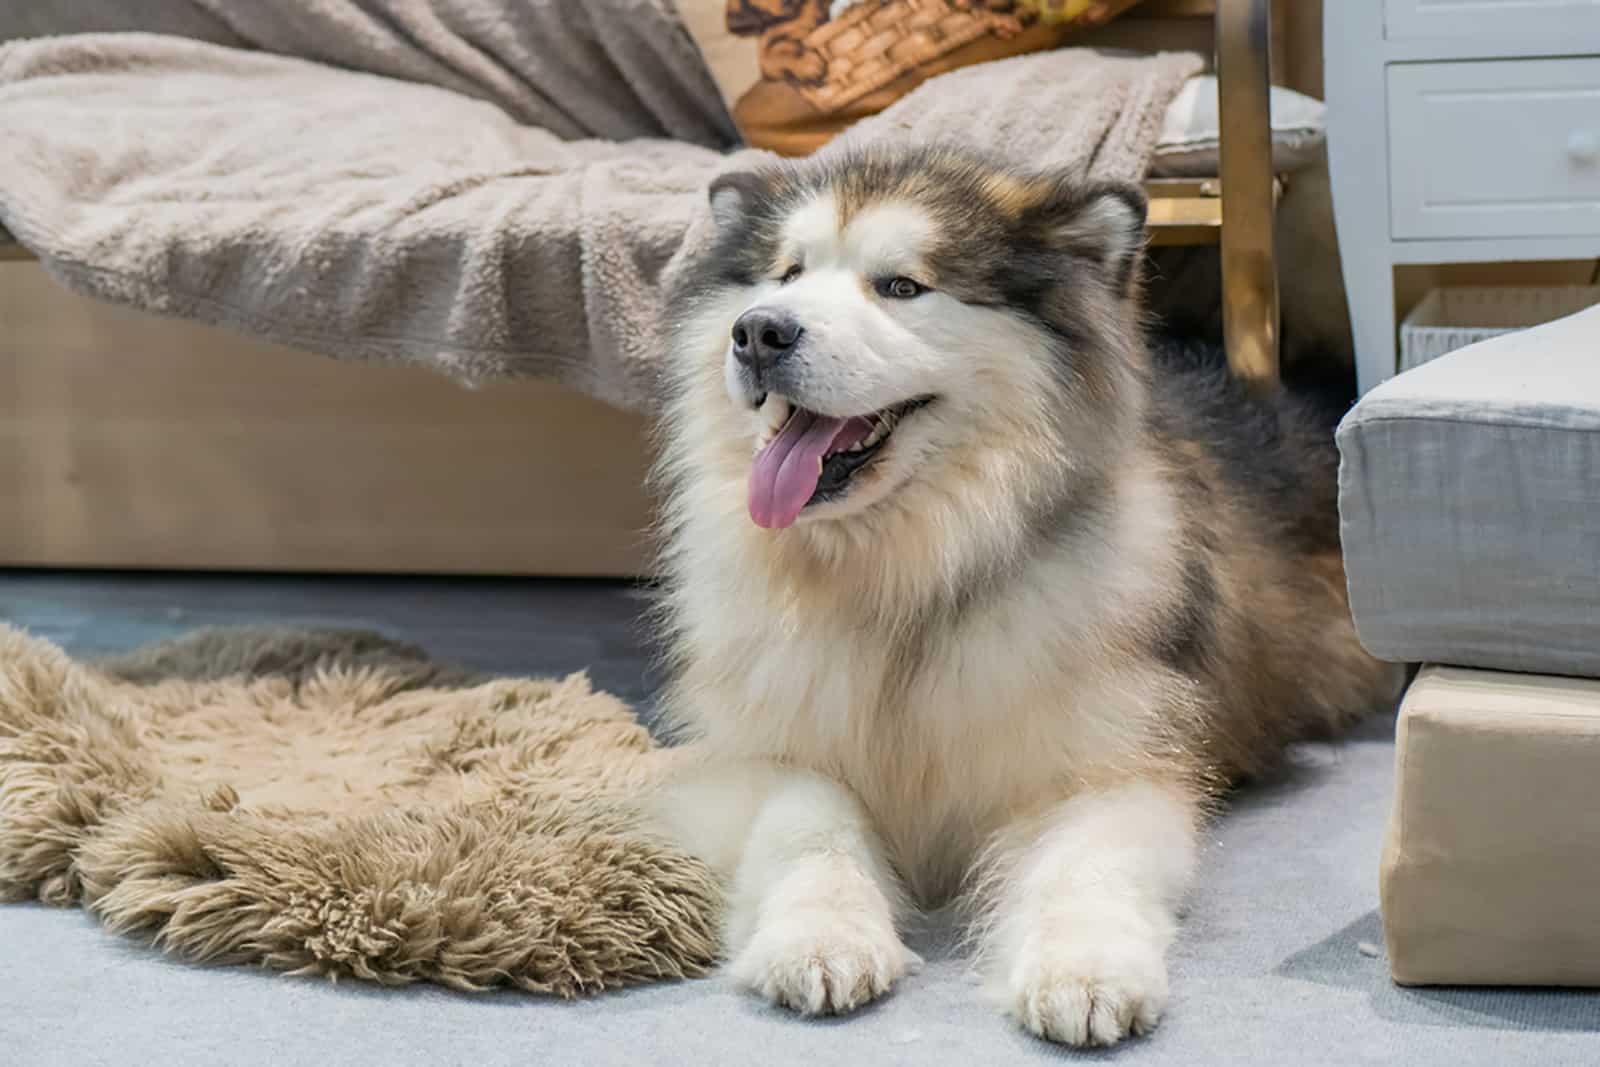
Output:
x=1265 y=620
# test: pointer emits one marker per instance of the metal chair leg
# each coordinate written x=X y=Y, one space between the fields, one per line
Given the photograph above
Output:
x=1249 y=261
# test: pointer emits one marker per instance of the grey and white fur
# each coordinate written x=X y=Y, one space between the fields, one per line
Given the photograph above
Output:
x=1022 y=635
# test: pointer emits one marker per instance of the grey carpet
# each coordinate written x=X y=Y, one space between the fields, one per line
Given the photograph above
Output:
x=1270 y=967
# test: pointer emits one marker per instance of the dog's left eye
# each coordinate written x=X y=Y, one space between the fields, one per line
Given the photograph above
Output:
x=791 y=274
x=901 y=288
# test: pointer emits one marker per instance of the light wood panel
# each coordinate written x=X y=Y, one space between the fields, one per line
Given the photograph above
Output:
x=129 y=440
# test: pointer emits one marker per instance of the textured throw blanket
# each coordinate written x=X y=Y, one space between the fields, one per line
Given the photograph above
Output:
x=488 y=188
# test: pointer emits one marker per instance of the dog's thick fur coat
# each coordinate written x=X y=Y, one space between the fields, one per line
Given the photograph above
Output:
x=1065 y=604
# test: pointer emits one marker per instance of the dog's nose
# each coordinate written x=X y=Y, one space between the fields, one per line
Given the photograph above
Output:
x=763 y=336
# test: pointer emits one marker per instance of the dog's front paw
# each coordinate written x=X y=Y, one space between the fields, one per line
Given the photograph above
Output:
x=820 y=963
x=1093 y=986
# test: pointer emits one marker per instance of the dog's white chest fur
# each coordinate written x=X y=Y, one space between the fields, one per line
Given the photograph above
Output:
x=946 y=732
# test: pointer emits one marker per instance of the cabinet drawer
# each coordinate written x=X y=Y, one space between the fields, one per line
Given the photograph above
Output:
x=1494 y=149
x=1488 y=18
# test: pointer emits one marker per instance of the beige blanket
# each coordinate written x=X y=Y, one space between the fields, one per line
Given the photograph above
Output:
x=463 y=225
x=614 y=69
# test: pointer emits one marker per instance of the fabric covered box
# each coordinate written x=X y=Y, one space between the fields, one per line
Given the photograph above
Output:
x=1469 y=498
x=1491 y=872
x=1458 y=316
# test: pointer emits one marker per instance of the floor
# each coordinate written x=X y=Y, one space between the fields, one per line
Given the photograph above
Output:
x=1280 y=960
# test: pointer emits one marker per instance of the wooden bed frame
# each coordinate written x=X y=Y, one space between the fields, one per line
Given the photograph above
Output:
x=135 y=441
x=1235 y=209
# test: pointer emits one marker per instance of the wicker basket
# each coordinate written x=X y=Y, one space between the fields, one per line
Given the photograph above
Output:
x=1448 y=319
x=873 y=42
x=870 y=45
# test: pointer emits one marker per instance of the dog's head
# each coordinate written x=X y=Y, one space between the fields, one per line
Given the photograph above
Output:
x=896 y=322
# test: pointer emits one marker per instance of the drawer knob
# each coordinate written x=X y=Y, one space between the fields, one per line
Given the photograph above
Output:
x=1584 y=146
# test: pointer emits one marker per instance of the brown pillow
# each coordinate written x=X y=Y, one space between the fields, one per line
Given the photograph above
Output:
x=796 y=72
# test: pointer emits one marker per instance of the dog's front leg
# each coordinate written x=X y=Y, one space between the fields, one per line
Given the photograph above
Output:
x=812 y=902
x=1083 y=905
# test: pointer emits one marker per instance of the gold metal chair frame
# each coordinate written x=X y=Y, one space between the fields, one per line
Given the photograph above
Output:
x=1236 y=209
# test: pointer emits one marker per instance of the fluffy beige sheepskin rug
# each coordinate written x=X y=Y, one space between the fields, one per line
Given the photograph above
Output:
x=336 y=804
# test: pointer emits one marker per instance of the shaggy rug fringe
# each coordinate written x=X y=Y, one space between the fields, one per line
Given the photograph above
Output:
x=335 y=803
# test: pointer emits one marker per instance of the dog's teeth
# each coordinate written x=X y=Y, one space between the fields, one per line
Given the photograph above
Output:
x=775 y=411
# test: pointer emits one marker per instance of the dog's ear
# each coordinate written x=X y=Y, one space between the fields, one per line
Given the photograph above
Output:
x=734 y=195
x=1103 y=223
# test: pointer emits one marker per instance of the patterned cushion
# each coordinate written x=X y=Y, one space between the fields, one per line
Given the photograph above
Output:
x=796 y=72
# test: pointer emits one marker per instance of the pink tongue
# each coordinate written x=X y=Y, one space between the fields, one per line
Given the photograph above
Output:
x=786 y=471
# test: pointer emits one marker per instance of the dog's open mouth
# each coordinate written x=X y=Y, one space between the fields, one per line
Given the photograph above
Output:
x=806 y=458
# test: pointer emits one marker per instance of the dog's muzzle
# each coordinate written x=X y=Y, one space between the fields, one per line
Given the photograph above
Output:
x=764 y=339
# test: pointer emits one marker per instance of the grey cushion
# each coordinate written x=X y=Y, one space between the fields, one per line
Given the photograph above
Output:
x=1469 y=495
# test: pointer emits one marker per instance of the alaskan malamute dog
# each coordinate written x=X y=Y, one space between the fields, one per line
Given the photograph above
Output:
x=971 y=597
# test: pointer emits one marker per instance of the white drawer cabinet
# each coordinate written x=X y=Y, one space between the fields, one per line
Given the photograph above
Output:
x=1477 y=18
x=1458 y=131
x=1494 y=149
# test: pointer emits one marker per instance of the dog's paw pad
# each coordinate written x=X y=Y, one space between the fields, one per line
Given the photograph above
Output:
x=820 y=965
x=1090 y=991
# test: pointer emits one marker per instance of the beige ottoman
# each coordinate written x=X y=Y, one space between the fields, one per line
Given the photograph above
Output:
x=1469 y=497
x=1491 y=872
